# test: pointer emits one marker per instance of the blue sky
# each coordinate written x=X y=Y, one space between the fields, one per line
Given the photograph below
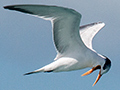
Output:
x=26 y=44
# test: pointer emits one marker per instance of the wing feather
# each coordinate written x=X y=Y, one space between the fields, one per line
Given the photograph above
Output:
x=65 y=24
x=88 y=32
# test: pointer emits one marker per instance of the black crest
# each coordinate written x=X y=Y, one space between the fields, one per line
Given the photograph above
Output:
x=107 y=64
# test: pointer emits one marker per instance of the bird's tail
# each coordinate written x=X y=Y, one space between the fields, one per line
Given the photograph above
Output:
x=36 y=71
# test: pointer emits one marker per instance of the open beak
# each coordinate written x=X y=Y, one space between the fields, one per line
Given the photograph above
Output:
x=99 y=75
x=91 y=70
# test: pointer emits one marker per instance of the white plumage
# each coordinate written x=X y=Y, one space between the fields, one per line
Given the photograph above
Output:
x=73 y=43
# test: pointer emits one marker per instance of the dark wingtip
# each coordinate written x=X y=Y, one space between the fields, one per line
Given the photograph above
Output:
x=9 y=7
x=17 y=8
x=5 y=7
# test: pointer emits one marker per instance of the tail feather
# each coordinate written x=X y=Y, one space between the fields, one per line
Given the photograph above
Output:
x=29 y=73
x=36 y=71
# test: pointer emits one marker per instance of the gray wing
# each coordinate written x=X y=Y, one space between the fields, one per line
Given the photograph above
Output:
x=65 y=24
x=87 y=32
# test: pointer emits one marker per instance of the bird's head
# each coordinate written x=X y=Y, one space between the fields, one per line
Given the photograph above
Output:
x=103 y=69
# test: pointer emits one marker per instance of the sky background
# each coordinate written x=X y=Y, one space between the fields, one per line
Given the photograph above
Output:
x=26 y=44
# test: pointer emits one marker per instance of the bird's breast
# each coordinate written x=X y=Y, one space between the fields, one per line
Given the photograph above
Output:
x=68 y=64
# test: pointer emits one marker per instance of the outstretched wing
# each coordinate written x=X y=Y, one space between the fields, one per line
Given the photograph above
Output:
x=87 y=32
x=65 y=24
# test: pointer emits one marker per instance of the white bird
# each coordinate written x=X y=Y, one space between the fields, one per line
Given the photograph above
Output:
x=73 y=44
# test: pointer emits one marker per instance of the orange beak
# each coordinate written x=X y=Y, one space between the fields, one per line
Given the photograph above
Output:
x=90 y=71
x=99 y=75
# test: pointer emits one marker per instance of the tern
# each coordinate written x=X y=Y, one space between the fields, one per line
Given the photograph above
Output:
x=73 y=43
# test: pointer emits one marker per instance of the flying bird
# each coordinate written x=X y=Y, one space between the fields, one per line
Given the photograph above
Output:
x=73 y=43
